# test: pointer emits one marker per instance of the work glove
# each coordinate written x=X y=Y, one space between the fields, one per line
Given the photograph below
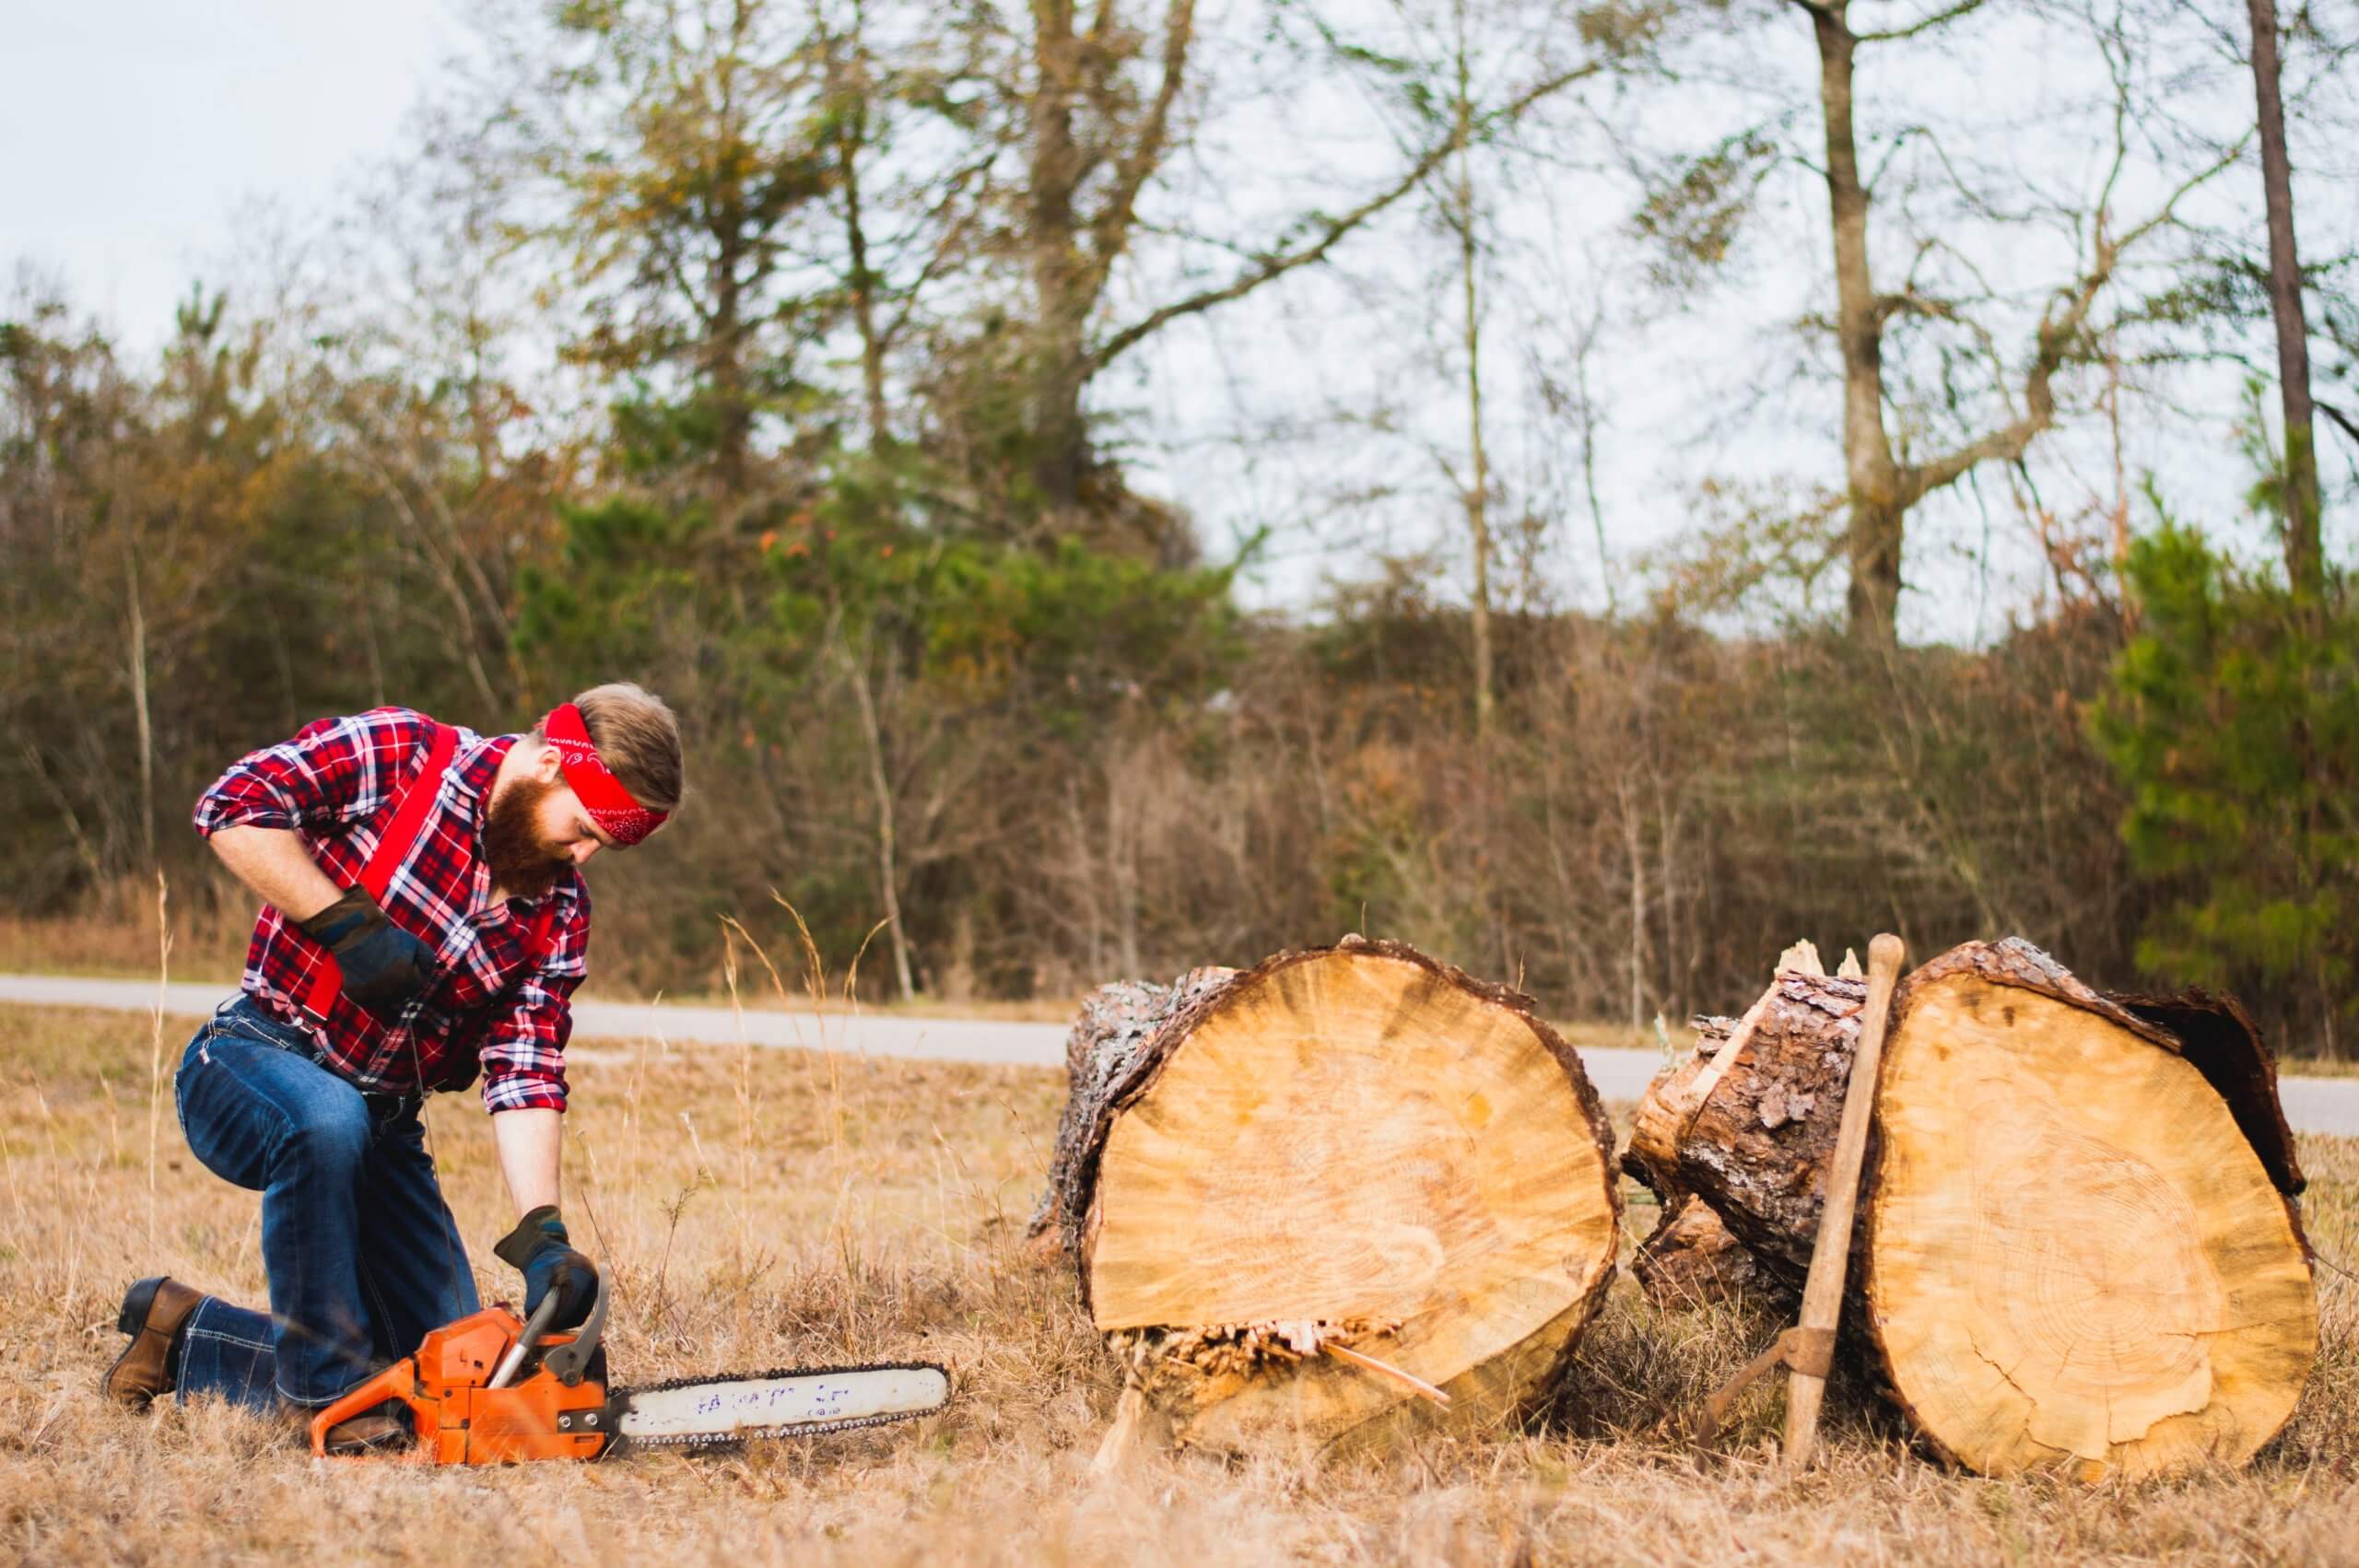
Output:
x=538 y=1249
x=383 y=966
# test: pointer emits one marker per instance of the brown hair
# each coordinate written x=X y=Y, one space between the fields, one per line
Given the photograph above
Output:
x=637 y=738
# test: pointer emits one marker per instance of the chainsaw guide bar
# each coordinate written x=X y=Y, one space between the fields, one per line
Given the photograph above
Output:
x=911 y=1388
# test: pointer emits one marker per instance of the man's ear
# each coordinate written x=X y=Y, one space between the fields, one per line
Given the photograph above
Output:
x=548 y=766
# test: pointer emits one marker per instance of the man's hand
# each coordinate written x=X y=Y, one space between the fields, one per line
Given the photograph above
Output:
x=383 y=966
x=537 y=1249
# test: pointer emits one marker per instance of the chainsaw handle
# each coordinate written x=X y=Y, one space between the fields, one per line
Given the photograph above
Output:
x=570 y=1359
x=534 y=1327
x=396 y=1383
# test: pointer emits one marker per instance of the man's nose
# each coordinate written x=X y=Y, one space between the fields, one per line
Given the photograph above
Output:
x=583 y=848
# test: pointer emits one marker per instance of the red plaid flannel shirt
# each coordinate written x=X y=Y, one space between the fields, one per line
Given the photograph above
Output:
x=490 y=1003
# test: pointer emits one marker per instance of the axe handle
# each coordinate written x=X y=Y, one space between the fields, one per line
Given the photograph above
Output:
x=1831 y=1255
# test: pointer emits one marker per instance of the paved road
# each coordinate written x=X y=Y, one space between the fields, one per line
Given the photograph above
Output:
x=2312 y=1105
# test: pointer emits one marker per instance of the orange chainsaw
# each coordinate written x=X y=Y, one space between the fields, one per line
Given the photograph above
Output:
x=492 y=1390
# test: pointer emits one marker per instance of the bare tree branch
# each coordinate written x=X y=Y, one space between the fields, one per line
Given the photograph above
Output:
x=1923 y=25
x=1278 y=264
x=1109 y=232
x=2052 y=344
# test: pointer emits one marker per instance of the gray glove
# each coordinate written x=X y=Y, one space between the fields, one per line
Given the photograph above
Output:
x=383 y=966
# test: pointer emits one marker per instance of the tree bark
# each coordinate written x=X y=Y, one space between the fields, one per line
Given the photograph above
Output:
x=137 y=638
x=1870 y=474
x=888 y=871
x=2305 y=563
x=851 y=86
x=1478 y=486
x=1354 y=1146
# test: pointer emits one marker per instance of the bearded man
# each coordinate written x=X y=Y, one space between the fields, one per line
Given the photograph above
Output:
x=424 y=918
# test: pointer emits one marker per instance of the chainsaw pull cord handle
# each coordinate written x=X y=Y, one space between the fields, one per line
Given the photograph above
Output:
x=534 y=1327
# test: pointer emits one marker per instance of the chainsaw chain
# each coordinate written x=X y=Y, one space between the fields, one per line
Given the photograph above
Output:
x=621 y=1396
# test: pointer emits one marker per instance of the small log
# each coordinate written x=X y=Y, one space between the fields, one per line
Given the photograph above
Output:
x=1755 y=1147
x=1691 y=1260
x=1353 y=1149
x=1679 y=1091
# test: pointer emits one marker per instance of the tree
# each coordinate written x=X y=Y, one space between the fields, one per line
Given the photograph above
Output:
x=2305 y=565
x=1883 y=486
x=2232 y=719
x=1928 y=392
x=1099 y=104
x=672 y=140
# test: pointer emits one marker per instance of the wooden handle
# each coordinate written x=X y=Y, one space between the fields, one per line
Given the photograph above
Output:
x=1830 y=1256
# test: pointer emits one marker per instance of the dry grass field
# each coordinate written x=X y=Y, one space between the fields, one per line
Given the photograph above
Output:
x=765 y=1208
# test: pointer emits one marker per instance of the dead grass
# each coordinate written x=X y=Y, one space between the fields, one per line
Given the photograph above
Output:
x=119 y=946
x=763 y=1207
x=2317 y=1066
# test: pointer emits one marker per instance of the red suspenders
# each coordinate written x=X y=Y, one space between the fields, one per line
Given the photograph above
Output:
x=413 y=802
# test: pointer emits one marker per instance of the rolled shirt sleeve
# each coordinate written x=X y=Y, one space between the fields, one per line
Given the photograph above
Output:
x=333 y=773
x=523 y=1050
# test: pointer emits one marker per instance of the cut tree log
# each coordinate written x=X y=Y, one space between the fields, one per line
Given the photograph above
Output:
x=1755 y=1147
x=2078 y=1244
x=1778 y=1166
x=1346 y=1150
x=2076 y=1251
x=1692 y=1259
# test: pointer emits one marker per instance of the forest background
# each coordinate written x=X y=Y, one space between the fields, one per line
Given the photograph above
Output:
x=1596 y=491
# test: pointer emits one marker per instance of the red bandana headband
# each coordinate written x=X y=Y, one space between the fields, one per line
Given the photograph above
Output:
x=601 y=793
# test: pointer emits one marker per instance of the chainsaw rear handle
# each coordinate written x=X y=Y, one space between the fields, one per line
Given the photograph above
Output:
x=396 y=1384
x=571 y=1359
x=568 y=1360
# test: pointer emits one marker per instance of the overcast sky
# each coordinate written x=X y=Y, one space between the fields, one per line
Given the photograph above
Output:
x=143 y=134
x=139 y=130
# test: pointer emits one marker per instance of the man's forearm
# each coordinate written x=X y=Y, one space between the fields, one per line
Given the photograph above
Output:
x=530 y=1141
x=273 y=861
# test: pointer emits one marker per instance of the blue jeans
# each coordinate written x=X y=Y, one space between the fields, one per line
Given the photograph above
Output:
x=362 y=1254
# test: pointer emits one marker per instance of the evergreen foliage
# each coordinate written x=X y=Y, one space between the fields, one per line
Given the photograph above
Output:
x=2232 y=720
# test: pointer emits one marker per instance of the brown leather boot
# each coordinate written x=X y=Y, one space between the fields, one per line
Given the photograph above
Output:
x=368 y=1432
x=153 y=1311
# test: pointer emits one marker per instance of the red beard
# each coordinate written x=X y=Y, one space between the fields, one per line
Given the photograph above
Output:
x=523 y=864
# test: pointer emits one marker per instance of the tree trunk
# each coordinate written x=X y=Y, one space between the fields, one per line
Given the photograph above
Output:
x=1877 y=516
x=852 y=101
x=2078 y=1244
x=137 y=651
x=864 y=305
x=2305 y=565
x=888 y=871
x=1057 y=372
x=1060 y=433
x=1693 y=1259
x=1478 y=488
x=1354 y=1146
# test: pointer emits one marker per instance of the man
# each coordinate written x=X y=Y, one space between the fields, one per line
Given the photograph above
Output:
x=424 y=916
